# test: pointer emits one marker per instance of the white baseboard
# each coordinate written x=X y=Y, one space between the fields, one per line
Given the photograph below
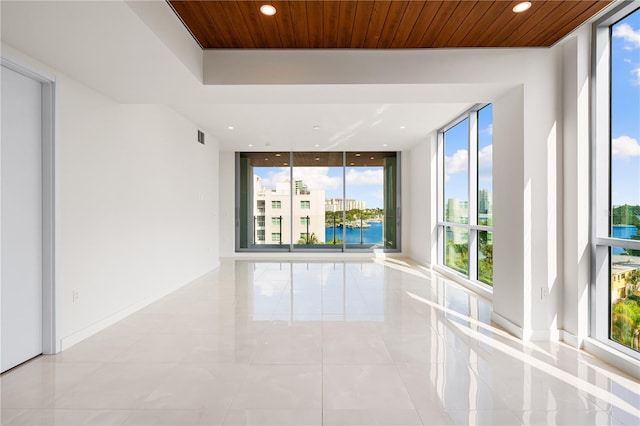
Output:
x=512 y=328
x=78 y=336
x=470 y=285
x=571 y=339
x=526 y=334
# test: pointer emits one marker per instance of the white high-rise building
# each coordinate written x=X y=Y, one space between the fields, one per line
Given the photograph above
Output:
x=338 y=204
x=272 y=208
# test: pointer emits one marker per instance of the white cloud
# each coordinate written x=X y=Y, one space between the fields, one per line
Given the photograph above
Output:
x=485 y=159
x=624 y=147
x=365 y=177
x=280 y=174
x=313 y=177
x=636 y=76
x=488 y=130
x=317 y=178
x=626 y=32
x=457 y=163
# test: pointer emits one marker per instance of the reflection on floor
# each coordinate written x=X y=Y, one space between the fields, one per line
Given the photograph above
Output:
x=358 y=343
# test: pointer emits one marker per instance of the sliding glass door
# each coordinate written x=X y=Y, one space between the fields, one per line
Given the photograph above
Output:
x=264 y=200
x=317 y=179
x=317 y=201
x=371 y=200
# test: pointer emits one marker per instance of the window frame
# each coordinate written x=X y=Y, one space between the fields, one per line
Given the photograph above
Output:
x=601 y=204
x=243 y=230
x=472 y=227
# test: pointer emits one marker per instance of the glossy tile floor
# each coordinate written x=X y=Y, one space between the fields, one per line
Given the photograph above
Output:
x=349 y=343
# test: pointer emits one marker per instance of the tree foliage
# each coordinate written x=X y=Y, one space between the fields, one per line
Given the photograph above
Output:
x=625 y=320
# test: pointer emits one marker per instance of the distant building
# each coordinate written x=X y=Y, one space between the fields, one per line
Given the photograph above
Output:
x=457 y=210
x=337 y=204
x=457 y=235
x=484 y=202
x=272 y=210
x=619 y=275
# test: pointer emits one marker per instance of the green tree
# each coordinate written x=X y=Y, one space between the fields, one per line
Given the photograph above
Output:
x=312 y=239
x=458 y=257
x=625 y=319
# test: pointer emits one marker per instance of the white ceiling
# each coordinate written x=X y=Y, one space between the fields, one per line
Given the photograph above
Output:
x=139 y=52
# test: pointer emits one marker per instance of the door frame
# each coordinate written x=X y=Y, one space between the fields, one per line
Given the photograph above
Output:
x=50 y=191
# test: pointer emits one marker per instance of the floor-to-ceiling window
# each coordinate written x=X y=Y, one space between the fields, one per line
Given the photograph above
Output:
x=615 y=295
x=465 y=225
x=317 y=201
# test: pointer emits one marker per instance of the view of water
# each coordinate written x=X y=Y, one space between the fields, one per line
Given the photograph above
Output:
x=623 y=231
x=370 y=235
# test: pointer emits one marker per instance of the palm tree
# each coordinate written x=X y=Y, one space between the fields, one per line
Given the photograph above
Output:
x=311 y=239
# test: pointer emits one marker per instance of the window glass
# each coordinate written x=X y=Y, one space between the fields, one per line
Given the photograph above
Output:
x=456 y=254
x=624 y=281
x=466 y=204
x=456 y=173
x=371 y=218
x=358 y=213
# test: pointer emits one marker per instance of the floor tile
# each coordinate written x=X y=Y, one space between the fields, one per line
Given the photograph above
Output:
x=380 y=342
x=68 y=417
x=274 y=417
x=354 y=348
x=115 y=386
x=364 y=387
x=281 y=387
x=380 y=416
x=197 y=386
x=163 y=417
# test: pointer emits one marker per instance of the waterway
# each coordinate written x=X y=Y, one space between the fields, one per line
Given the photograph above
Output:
x=370 y=235
x=625 y=232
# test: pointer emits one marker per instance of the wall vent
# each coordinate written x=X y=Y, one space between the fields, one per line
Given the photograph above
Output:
x=201 y=137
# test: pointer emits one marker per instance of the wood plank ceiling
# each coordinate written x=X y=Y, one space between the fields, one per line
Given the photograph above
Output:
x=390 y=24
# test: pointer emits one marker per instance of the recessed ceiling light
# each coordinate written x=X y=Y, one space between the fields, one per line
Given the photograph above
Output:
x=267 y=9
x=351 y=164
x=372 y=158
x=266 y=159
x=230 y=128
x=384 y=144
x=521 y=7
x=403 y=127
x=317 y=158
x=357 y=155
x=316 y=145
x=285 y=164
x=316 y=127
x=277 y=155
x=250 y=145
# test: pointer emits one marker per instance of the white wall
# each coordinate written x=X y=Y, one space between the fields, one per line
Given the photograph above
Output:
x=576 y=56
x=227 y=204
x=420 y=191
x=528 y=185
x=137 y=206
x=541 y=197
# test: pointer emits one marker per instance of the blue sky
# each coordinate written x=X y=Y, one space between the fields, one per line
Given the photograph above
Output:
x=456 y=151
x=625 y=111
x=363 y=183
